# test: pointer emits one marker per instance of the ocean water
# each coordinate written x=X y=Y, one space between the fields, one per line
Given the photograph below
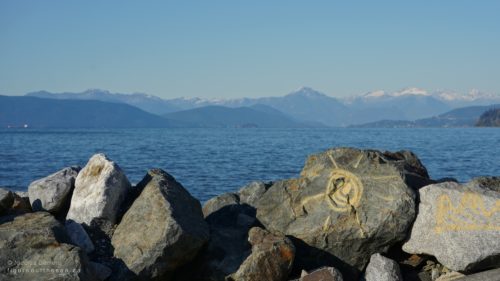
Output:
x=209 y=162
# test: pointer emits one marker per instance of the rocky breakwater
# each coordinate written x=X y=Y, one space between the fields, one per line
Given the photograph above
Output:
x=351 y=215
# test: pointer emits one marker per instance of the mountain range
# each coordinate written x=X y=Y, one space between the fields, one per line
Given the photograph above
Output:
x=303 y=107
x=309 y=105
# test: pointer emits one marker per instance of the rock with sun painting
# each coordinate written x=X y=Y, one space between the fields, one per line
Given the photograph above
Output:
x=347 y=205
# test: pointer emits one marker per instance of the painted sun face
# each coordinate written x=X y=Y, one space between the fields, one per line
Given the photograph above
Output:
x=343 y=190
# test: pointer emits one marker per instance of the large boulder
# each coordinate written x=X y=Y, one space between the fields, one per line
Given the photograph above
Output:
x=459 y=225
x=31 y=248
x=100 y=189
x=347 y=205
x=163 y=229
x=271 y=258
x=6 y=200
x=381 y=268
x=53 y=193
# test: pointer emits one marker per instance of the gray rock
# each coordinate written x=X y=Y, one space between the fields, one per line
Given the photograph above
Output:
x=489 y=275
x=53 y=193
x=218 y=202
x=21 y=204
x=323 y=274
x=381 y=268
x=100 y=189
x=450 y=276
x=459 y=225
x=32 y=248
x=163 y=229
x=6 y=200
x=22 y=194
x=491 y=183
x=347 y=205
x=251 y=193
x=79 y=236
x=271 y=258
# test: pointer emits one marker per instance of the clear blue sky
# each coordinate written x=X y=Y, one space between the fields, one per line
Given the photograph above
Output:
x=248 y=48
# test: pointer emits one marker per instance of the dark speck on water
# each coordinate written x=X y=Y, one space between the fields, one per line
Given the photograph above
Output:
x=209 y=162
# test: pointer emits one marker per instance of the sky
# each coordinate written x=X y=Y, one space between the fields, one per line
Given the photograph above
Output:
x=234 y=48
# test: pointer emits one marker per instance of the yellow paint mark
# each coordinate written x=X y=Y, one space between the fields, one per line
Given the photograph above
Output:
x=386 y=198
x=362 y=232
x=327 y=223
x=469 y=214
x=345 y=195
x=333 y=160
x=342 y=192
x=359 y=161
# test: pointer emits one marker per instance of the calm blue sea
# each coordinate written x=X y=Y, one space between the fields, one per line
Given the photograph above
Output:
x=212 y=161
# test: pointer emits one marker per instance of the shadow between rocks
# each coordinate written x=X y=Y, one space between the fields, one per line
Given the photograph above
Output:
x=100 y=232
x=227 y=248
x=309 y=258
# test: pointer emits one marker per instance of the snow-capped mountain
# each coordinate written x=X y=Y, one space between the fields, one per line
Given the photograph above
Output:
x=410 y=92
x=426 y=103
x=473 y=97
x=405 y=104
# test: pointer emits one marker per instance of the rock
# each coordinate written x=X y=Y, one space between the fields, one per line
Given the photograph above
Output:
x=414 y=172
x=163 y=229
x=31 y=248
x=434 y=269
x=251 y=193
x=53 y=193
x=6 y=200
x=100 y=189
x=323 y=274
x=79 y=236
x=450 y=276
x=459 y=225
x=347 y=205
x=218 y=202
x=381 y=268
x=22 y=194
x=491 y=183
x=102 y=272
x=271 y=258
x=489 y=275
x=21 y=204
